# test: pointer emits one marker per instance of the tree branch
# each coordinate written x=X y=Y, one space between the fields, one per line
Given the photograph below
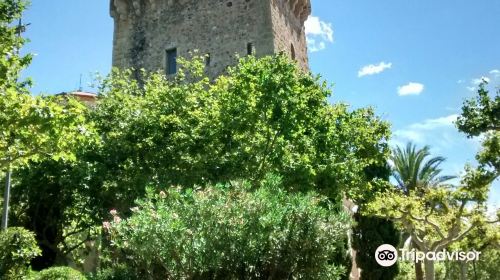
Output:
x=427 y=221
x=448 y=241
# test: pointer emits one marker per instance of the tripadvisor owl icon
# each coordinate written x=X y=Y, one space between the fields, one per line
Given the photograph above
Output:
x=386 y=255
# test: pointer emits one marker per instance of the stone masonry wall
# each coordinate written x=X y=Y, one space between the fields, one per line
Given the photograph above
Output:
x=288 y=18
x=146 y=29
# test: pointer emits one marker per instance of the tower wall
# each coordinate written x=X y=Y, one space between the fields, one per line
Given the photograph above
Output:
x=288 y=17
x=146 y=29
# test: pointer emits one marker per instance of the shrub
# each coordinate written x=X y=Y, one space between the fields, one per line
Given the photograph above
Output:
x=59 y=273
x=231 y=232
x=18 y=247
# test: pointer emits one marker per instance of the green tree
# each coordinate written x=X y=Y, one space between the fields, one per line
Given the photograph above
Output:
x=485 y=238
x=31 y=127
x=414 y=174
x=481 y=117
x=434 y=220
x=52 y=199
x=34 y=128
x=439 y=216
x=10 y=65
x=264 y=116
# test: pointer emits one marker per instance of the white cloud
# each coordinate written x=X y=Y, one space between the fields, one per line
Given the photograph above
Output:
x=318 y=33
x=480 y=80
x=420 y=132
x=316 y=27
x=409 y=135
x=460 y=81
x=439 y=132
x=411 y=89
x=474 y=83
x=374 y=69
x=430 y=124
x=314 y=46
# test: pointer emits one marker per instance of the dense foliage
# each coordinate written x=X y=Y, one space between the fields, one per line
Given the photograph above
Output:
x=34 y=128
x=481 y=117
x=50 y=200
x=188 y=131
x=485 y=239
x=265 y=116
x=231 y=232
x=31 y=126
x=17 y=248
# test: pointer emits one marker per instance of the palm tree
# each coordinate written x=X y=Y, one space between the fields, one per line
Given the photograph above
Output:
x=413 y=172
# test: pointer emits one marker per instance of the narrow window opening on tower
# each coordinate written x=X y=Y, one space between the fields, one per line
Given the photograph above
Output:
x=292 y=51
x=207 y=59
x=250 y=49
x=171 y=61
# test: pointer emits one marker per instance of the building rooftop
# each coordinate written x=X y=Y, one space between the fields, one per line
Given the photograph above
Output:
x=86 y=97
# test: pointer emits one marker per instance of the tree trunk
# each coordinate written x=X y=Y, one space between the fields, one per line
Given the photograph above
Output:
x=419 y=274
x=474 y=269
x=429 y=270
x=6 y=198
x=463 y=271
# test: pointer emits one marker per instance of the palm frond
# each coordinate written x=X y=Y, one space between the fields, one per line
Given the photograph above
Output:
x=413 y=171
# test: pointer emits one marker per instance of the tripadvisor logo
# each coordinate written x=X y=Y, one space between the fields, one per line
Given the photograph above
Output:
x=386 y=255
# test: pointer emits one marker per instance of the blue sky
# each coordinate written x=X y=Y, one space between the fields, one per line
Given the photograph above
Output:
x=415 y=61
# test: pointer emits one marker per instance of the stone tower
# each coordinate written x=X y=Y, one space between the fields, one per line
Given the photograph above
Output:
x=150 y=34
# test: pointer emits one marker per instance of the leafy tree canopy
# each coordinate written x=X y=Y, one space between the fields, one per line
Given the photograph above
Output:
x=30 y=127
x=36 y=127
x=481 y=117
x=11 y=63
x=435 y=215
x=264 y=116
x=438 y=217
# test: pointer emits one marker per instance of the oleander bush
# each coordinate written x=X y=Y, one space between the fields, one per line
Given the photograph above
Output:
x=231 y=232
